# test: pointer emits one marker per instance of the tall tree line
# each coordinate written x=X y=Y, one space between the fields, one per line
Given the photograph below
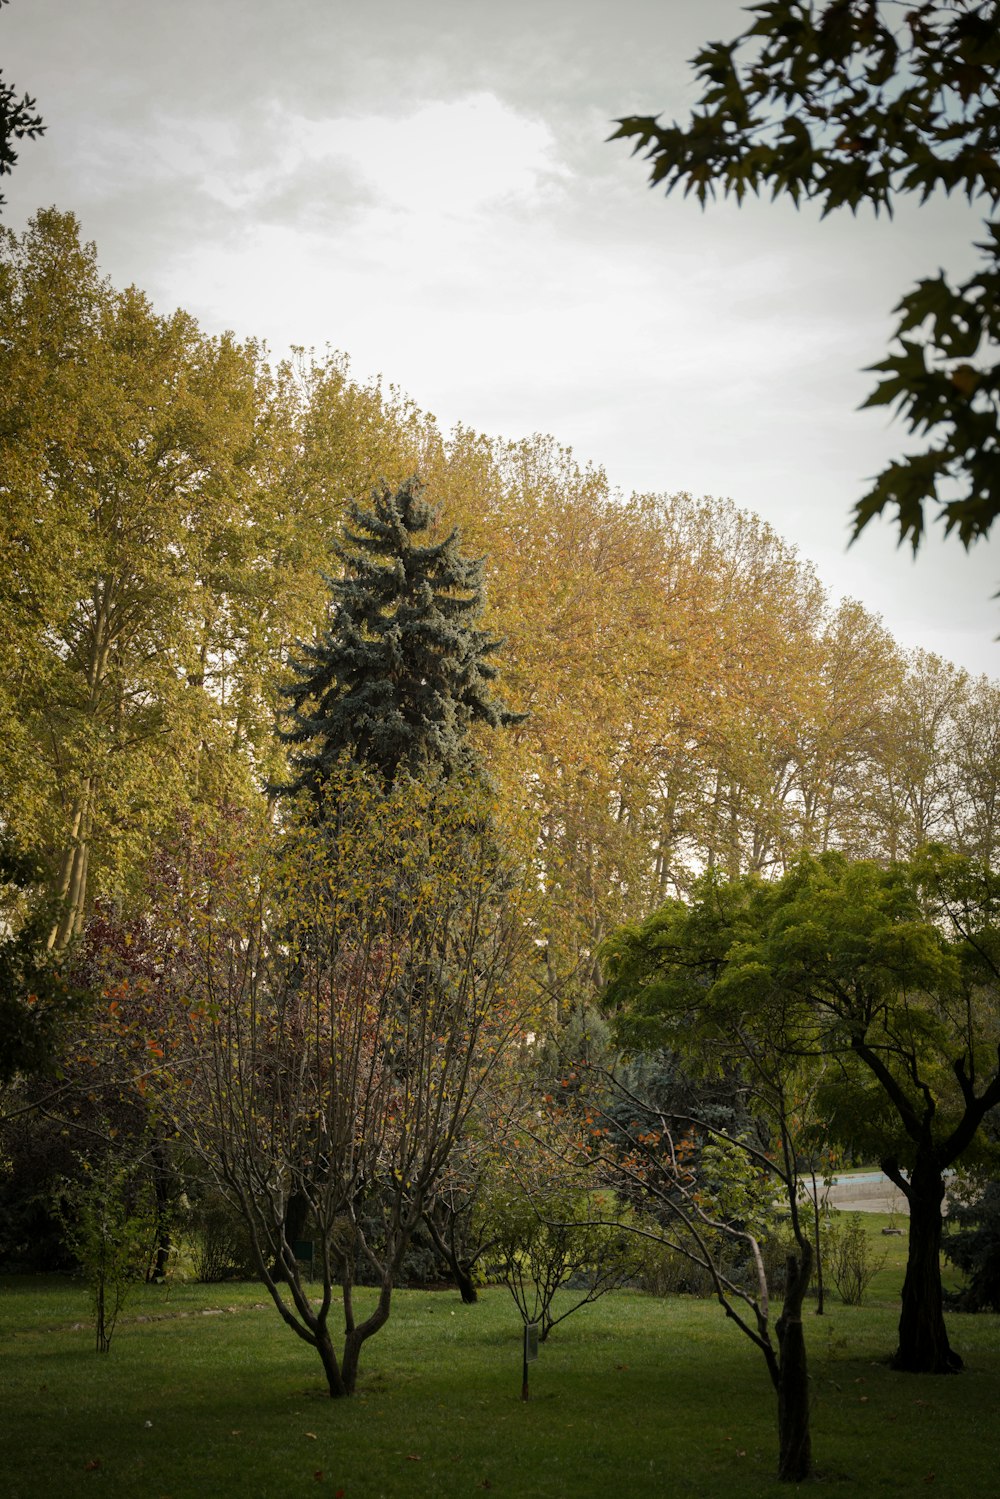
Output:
x=171 y=501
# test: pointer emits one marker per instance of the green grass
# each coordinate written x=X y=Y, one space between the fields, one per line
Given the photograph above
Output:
x=635 y=1396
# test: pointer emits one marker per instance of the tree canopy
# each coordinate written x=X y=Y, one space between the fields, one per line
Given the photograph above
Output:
x=168 y=504
x=886 y=978
x=849 y=102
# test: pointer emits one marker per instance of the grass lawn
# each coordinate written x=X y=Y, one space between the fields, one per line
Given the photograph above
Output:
x=205 y=1393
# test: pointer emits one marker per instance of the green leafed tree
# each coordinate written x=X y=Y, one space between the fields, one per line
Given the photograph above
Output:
x=402 y=671
x=160 y=540
x=848 y=102
x=886 y=979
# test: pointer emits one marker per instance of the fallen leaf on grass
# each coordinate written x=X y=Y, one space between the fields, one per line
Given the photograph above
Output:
x=413 y=1457
x=312 y=1436
x=92 y=1466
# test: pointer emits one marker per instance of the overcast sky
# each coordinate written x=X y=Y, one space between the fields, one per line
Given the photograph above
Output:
x=428 y=188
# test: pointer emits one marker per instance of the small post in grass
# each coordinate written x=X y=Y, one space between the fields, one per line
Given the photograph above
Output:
x=530 y=1354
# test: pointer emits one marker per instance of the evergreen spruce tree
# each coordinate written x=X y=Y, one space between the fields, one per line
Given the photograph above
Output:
x=401 y=671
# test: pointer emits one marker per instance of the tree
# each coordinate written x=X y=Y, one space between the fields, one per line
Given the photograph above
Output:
x=855 y=101
x=899 y=969
x=712 y=1178
x=168 y=503
x=973 y=1245
x=550 y=1230
x=18 y=121
x=137 y=543
x=394 y=683
x=110 y=1225
x=339 y=1064
x=550 y=1237
x=401 y=672
x=705 y=1194
x=454 y=1219
x=888 y=977
x=914 y=789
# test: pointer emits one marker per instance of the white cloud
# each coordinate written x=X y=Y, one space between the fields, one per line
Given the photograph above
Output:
x=429 y=189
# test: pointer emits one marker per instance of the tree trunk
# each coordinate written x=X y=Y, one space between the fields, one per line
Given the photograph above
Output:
x=794 y=1442
x=461 y=1273
x=465 y=1283
x=349 y=1363
x=335 y=1375
x=100 y=1315
x=73 y=873
x=923 y=1338
x=817 y=1247
x=162 y=1196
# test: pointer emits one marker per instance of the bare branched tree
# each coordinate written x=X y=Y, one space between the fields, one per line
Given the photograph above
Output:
x=338 y=1065
x=654 y=1161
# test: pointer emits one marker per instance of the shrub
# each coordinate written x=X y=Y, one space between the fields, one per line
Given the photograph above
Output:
x=110 y=1225
x=851 y=1261
x=221 y=1243
x=975 y=1250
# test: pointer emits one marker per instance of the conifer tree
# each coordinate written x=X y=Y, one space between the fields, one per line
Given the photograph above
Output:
x=401 y=671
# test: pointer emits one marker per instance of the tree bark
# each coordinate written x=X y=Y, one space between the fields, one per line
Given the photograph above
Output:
x=794 y=1441
x=335 y=1375
x=923 y=1337
x=349 y=1364
x=461 y=1273
x=817 y=1247
x=466 y=1285
x=162 y=1193
x=73 y=873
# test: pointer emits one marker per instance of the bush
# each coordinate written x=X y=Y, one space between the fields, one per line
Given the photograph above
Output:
x=221 y=1243
x=851 y=1261
x=975 y=1250
x=109 y=1218
x=667 y=1272
x=560 y=1237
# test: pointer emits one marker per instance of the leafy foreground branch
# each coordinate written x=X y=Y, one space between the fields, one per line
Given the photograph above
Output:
x=338 y=1066
x=847 y=102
